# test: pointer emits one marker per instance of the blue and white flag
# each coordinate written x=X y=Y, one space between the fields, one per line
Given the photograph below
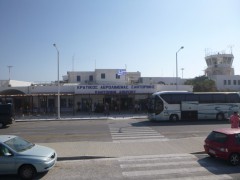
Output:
x=122 y=72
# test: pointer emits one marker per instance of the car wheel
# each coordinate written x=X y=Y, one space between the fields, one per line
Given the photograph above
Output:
x=174 y=117
x=234 y=159
x=1 y=125
x=27 y=172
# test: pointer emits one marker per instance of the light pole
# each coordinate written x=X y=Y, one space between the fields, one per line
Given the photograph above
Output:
x=177 y=68
x=58 y=94
x=182 y=72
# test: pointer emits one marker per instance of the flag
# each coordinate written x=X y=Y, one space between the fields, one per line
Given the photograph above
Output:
x=122 y=72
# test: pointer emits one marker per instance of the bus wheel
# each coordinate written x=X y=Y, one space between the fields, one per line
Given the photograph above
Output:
x=174 y=117
x=220 y=117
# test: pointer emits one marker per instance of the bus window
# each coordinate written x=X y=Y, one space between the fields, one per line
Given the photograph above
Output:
x=191 y=97
x=173 y=98
x=167 y=98
x=205 y=98
x=158 y=105
x=233 y=98
x=219 y=98
x=177 y=98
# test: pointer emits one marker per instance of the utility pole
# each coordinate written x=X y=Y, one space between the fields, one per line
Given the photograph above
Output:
x=58 y=94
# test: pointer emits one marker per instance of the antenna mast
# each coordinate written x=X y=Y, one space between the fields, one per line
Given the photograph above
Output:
x=231 y=47
x=9 y=71
x=73 y=63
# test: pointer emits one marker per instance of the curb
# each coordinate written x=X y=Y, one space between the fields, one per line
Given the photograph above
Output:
x=77 y=119
x=82 y=158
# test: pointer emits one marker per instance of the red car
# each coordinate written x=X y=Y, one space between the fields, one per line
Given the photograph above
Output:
x=224 y=144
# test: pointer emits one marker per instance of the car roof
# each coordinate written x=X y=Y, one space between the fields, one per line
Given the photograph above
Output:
x=4 y=138
x=228 y=130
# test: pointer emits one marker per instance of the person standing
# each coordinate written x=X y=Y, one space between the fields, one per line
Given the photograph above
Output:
x=234 y=120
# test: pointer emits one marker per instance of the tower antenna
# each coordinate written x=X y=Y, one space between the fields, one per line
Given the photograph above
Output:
x=9 y=71
x=73 y=62
x=231 y=47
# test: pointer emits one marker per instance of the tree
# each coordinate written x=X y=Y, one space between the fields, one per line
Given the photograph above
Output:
x=202 y=84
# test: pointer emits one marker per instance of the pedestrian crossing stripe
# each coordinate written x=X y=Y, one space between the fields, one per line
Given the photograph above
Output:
x=126 y=133
x=166 y=171
x=207 y=177
x=157 y=164
x=140 y=140
x=137 y=137
x=157 y=157
x=169 y=167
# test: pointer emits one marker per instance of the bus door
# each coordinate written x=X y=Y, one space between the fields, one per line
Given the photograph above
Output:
x=189 y=110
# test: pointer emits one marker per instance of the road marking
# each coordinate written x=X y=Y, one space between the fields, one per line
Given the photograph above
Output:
x=124 y=132
x=169 y=167
x=157 y=164
x=178 y=171
x=208 y=177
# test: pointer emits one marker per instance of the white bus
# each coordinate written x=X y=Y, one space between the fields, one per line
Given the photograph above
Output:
x=178 y=105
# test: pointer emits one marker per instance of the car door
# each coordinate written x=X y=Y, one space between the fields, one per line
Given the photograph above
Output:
x=236 y=144
x=7 y=162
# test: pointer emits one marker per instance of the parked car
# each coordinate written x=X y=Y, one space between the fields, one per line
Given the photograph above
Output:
x=6 y=114
x=224 y=144
x=18 y=156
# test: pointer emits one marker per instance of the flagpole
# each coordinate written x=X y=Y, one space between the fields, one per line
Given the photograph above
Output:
x=126 y=74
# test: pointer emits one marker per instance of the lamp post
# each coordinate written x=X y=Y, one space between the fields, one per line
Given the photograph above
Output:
x=177 y=68
x=182 y=72
x=58 y=94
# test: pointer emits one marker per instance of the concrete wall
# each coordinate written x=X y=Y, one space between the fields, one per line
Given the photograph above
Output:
x=227 y=83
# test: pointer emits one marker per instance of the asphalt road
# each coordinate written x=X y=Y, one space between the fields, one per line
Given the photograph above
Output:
x=99 y=130
x=60 y=131
x=173 y=166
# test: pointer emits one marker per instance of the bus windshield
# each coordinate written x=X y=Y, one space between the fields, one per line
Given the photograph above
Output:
x=155 y=105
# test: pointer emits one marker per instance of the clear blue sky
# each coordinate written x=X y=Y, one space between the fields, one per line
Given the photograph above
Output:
x=142 y=35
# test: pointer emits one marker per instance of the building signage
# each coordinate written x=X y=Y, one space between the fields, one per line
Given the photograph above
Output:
x=114 y=89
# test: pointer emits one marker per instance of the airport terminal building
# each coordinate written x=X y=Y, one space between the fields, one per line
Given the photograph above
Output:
x=87 y=91
x=90 y=91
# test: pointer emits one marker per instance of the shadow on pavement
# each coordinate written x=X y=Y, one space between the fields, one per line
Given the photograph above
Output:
x=218 y=166
x=81 y=158
x=178 y=123
x=16 y=177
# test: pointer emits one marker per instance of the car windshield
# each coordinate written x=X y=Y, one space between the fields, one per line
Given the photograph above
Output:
x=18 y=144
x=217 y=137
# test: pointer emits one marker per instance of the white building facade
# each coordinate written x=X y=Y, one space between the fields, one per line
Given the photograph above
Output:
x=103 y=76
x=88 y=91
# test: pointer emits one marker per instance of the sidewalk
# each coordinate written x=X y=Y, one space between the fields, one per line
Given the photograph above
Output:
x=90 y=149
x=85 y=116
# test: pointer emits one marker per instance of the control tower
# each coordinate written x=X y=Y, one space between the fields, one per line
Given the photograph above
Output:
x=219 y=64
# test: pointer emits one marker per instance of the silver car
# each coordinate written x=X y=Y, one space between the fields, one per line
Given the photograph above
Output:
x=18 y=156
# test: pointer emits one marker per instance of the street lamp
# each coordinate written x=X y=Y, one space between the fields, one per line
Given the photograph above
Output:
x=177 y=68
x=182 y=72
x=58 y=95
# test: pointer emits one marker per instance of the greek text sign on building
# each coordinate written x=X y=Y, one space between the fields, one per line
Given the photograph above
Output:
x=114 y=89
